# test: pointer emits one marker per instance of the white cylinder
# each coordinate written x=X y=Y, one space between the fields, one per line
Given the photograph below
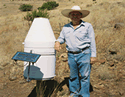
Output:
x=40 y=39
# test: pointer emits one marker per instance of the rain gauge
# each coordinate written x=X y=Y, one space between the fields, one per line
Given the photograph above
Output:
x=28 y=57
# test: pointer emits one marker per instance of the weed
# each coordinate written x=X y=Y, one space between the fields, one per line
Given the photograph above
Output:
x=102 y=77
x=40 y=13
x=49 y=5
x=26 y=7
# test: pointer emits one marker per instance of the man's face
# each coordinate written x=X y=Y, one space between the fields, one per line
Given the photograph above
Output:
x=75 y=15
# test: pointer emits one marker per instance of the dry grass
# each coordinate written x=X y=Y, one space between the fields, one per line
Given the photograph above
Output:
x=12 y=37
x=104 y=19
x=105 y=73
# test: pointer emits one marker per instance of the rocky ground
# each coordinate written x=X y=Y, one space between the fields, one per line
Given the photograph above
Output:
x=107 y=75
x=107 y=80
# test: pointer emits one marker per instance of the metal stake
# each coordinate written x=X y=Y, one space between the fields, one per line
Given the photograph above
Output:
x=28 y=79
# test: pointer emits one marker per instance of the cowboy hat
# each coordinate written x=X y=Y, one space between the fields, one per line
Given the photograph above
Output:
x=66 y=12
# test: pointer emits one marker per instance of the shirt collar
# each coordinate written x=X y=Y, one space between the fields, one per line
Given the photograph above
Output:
x=81 y=24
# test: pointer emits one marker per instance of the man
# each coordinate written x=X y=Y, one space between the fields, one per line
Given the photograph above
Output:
x=80 y=43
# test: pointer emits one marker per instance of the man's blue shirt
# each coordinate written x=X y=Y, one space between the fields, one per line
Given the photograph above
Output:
x=76 y=39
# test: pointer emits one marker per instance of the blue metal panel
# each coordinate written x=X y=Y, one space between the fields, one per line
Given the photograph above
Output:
x=24 y=56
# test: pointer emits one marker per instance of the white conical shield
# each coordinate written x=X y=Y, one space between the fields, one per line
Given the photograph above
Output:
x=40 y=34
x=40 y=40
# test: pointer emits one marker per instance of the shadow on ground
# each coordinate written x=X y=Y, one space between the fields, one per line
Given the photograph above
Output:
x=47 y=89
x=50 y=88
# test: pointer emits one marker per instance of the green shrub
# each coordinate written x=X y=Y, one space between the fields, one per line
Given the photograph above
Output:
x=26 y=7
x=40 y=13
x=49 y=5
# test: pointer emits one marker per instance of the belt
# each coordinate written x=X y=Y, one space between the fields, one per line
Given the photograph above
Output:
x=77 y=52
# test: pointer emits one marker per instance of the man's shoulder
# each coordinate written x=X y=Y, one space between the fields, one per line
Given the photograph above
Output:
x=86 y=23
x=67 y=25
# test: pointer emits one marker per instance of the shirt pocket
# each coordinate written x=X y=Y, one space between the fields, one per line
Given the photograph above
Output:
x=81 y=35
x=67 y=34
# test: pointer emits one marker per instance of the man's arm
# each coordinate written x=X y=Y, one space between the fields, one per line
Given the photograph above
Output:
x=57 y=46
x=93 y=45
x=93 y=60
x=59 y=41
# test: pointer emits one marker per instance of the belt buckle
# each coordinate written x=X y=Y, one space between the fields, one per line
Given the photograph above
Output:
x=76 y=52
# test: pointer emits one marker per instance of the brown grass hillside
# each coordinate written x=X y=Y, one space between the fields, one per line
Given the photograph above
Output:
x=107 y=75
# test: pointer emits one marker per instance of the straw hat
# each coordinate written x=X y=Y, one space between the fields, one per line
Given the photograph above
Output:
x=66 y=12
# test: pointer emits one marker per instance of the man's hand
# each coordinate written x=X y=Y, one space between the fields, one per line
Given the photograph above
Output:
x=57 y=46
x=93 y=60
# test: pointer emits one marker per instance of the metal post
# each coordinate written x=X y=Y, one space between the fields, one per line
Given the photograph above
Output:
x=28 y=79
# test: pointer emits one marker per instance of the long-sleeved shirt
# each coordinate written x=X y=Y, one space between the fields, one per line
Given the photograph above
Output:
x=81 y=37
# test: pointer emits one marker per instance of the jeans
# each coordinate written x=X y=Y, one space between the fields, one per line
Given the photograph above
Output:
x=79 y=81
